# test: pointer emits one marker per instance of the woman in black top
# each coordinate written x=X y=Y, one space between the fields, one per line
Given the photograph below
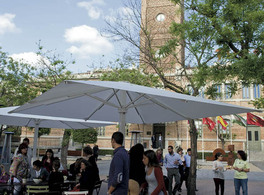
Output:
x=137 y=169
x=88 y=153
x=56 y=177
x=88 y=177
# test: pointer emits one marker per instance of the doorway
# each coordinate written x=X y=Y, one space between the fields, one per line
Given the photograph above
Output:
x=254 y=141
x=158 y=136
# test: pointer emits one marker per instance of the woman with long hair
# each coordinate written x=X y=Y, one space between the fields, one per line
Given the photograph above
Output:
x=241 y=167
x=48 y=159
x=218 y=169
x=154 y=174
x=87 y=177
x=19 y=167
x=136 y=169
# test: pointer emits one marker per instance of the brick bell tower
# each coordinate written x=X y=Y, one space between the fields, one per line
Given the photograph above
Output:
x=156 y=19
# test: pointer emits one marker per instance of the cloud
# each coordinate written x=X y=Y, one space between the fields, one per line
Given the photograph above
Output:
x=30 y=58
x=87 y=41
x=92 y=8
x=7 y=24
x=123 y=13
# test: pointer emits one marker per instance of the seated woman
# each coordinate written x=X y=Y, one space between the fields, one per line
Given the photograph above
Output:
x=56 y=177
x=88 y=177
x=75 y=169
x=48 y=159
x=39 y=172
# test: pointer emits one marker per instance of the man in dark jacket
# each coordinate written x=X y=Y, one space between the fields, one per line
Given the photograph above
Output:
x=119 y=167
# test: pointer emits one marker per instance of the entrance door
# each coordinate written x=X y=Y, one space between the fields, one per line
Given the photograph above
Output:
x=254 y=142
x=159 y=135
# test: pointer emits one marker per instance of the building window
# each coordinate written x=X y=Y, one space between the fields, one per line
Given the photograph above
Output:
x=245 y=92
x=160 y=17
x=218 y=91
x=256 y=136
x=225 y=133
x=228 y=94
x=199 y=126
x=101 y=131
x=249 y=136
x=201 y=92
x=256 y=90
x=190 y=89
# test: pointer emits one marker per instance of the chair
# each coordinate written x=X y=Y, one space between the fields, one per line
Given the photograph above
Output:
x=97 y=186
x=75 y=193
x=37 y=189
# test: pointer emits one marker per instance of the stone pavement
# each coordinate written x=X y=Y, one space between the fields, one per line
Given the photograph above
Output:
x=205 y=182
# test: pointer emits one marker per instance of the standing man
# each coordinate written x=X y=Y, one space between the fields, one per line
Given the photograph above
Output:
x=29 y=151
x=172 y=162
x=187 y=160
x=160 y=141
x=95 y=151
x=119 y=167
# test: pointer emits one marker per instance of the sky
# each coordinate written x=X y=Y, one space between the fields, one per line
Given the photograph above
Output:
x=71 y=28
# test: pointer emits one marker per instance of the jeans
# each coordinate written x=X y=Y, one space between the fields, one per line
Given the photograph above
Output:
x=241 y=183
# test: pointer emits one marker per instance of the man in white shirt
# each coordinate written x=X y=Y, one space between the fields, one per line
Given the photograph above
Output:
x=171 y=162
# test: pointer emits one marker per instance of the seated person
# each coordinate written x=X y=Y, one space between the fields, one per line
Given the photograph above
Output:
x=61 y=168
x=56 y=177
x=87 y=177
x=39 y=172
x=75 y=169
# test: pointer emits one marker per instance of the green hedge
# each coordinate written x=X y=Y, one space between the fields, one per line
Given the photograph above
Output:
x=105 y=152
x=210 y=154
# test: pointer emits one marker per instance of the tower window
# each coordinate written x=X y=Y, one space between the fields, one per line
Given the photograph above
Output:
x=160 y=17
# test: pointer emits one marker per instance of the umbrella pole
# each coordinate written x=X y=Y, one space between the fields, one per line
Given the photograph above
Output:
x=35 y=143
x=122 y=125
x=122 y=115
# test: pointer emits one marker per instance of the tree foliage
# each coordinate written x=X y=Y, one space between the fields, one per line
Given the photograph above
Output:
x=21 y=82
x=84 y=136
x=122 y=71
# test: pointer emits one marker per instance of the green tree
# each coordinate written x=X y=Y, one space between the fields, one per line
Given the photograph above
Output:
x=84 y=136
x=122 y=71
x=21 y=82
x=227 y=37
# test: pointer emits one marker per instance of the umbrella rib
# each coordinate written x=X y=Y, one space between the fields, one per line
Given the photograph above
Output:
x=103 y=103
x=66 y=124
x=166 y=107
x=28 y=122
x=133 y=103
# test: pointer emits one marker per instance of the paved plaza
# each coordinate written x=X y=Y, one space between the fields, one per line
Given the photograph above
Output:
x=205 y=182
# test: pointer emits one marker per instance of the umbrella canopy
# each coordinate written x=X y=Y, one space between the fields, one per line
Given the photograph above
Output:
x=123 y=102
x=38 y=121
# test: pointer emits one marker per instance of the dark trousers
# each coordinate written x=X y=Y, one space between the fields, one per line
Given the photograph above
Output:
x=181 y=170
x=219 y=182
x=186 y=174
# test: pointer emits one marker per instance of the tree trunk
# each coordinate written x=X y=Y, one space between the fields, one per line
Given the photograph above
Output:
x=64 y=147
x=223 y=143
x=192 y=173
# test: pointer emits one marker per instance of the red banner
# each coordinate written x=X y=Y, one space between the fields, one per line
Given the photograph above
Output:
x=209 y=123
x=254 y=120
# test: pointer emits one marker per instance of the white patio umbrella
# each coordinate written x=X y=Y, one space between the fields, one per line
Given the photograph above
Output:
x=39 y=121
x=124 y=103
